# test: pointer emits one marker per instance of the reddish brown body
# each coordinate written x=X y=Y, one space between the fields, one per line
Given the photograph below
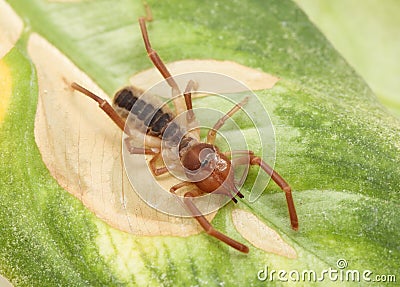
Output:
x=193 y=162
x=207 y=168
x=210 y=170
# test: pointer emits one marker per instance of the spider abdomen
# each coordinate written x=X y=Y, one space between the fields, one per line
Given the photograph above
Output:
x=154 y=118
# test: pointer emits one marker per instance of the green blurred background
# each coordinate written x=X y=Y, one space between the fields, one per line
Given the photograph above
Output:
x=367 y=34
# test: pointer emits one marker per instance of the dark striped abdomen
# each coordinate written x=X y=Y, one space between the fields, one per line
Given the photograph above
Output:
x=154 y=118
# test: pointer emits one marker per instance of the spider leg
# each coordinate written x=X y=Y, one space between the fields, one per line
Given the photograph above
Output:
x=212 y=133
x=104 y=105
x=196 y=213
x=230 y=153
x=255 y=160
x=190 y=116
x=139 y=150
x=149 y=15
x=179 y=185
x=207 y=225
x=188 y=100
x=159 y=64
x=157 y=170
x=120 y=122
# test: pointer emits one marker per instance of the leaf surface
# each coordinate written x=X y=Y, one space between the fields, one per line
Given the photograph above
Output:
x=336 y=146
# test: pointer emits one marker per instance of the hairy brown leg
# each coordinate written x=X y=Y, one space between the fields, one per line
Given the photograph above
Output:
x=190 y=116
x=108 y=109
x=255 y=160
x=230 y=153
x=154 y=57
x=207 y=225
x=179 y=185
x=159 y=64
x=202 y=220
x=157 y=170
x=104 y=105
x=188 y=99
x=149 y=15
x=139 y=150
x=213 y=132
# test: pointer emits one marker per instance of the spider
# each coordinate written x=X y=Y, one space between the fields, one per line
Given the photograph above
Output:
x=206 y=167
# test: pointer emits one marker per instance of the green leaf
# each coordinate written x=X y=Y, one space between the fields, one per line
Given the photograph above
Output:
x=336 y=146
x=366 y=36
